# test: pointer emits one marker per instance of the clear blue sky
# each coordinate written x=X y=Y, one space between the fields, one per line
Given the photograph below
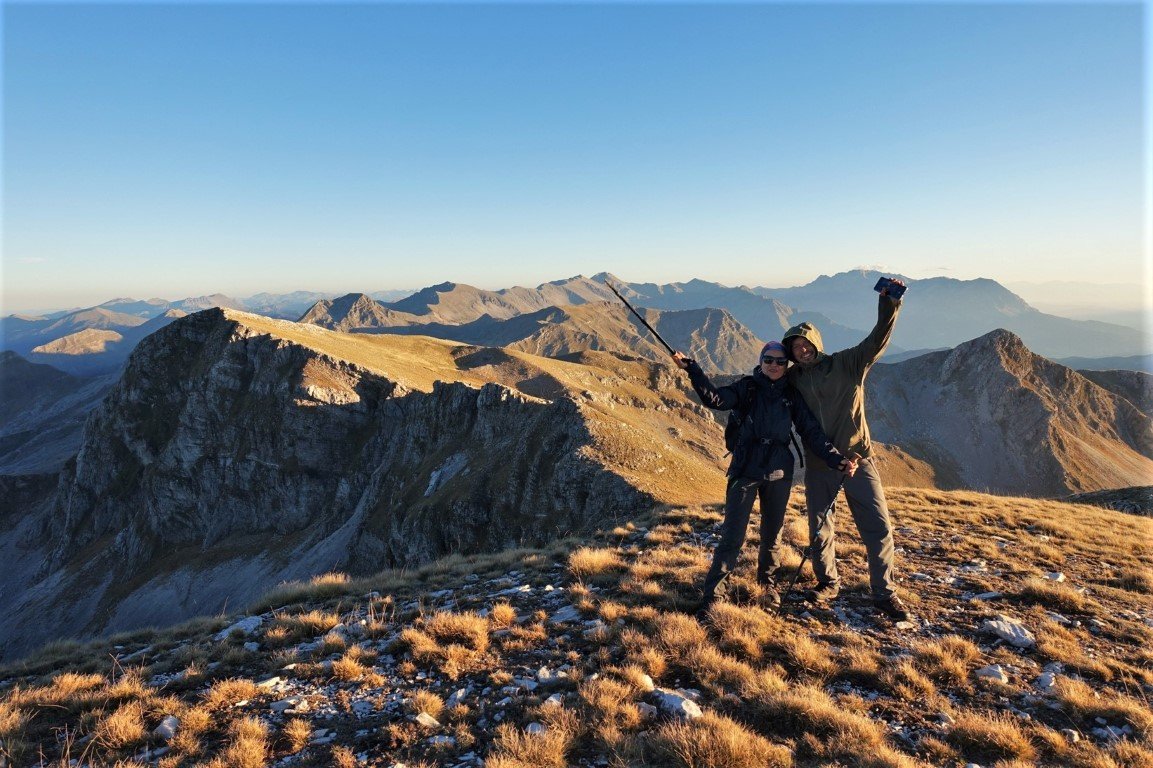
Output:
x=180 y=149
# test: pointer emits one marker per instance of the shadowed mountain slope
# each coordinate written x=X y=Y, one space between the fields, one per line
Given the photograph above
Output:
x=1134 y=386
x=238 y=451
x=42 y=412
x=990 y=414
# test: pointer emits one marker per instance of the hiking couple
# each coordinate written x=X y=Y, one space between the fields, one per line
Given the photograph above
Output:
x=823 y=396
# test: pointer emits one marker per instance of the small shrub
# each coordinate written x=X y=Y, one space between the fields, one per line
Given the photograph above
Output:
x=502 y=615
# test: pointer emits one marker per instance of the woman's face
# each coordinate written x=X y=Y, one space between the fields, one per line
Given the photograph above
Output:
x=773 y=364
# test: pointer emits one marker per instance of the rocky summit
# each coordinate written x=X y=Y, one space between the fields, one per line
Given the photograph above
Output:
x=237 y=452
x=990 y=414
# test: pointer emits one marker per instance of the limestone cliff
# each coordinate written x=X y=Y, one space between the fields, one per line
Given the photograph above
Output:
x=237 y=451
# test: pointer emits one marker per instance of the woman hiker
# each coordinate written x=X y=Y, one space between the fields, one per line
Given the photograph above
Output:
x=762 y=464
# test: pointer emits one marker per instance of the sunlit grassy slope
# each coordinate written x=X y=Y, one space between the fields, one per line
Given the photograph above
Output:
x=821 y=687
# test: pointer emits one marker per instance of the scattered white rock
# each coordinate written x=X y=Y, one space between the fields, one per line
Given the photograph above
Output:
x=987 y=596
x=677 y=704
x=252 y=647
x=1010 y=630
x=946 y=719
x=270 y=683
x=556 y=700
x=646 y=683
x=442 y=741
x=167 y=728
x=993 y=672
x=1056 y=576
x=293 y=702
x=534 y=728
x=1045 y=682
x=1071 y=735
x=566 y=615
x=245 y=626
x=456 y=697
x=427 y=720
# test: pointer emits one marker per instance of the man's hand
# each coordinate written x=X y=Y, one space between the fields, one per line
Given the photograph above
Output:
x=681 y=361
x=848 y=466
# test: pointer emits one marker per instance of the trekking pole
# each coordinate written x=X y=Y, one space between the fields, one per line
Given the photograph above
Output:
x=643 y=321
x=820 y=524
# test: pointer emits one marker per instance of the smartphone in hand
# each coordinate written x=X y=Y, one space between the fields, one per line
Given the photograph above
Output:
x=896 y=291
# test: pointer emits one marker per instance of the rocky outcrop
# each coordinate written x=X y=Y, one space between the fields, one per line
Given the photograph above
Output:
x=992 y=415
x=237 y=452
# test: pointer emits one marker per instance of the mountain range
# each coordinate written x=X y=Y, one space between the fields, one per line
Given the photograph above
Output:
x=237 y=451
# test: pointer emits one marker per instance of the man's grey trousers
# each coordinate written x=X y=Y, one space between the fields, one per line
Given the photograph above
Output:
x=870 y=513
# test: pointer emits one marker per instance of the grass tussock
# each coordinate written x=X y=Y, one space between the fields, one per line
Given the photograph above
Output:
x=452 y=641
x=502 y=615
x=302 y=626
x=228 y=693
x=1053 y=595
x=946 y=660
x=516 y=748
x=297 y=733
x=715 y=741
x=1084 y=702
x=247 y=748
x=989 y=738
x=597 y=565
x=320 y=587
x=427 y=702
x=121 y=729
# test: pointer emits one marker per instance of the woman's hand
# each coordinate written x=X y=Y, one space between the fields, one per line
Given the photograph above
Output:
x=681 y=361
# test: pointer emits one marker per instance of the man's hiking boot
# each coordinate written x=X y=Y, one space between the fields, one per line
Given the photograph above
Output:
x=891 y=607
x=823 y=592
x=770 y=599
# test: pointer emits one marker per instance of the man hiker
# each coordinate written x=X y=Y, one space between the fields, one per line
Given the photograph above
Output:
x=834 y=387
x=767 y=407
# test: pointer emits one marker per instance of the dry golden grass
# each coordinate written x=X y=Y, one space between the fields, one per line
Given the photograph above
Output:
x=248 y=746
x=515 y=748
x=1053 y=595
x=987 y=738
x=302 y=626
x=715 y=741
x=226 y=693
x=343 y=757
x=610 y=702
x=452 y=641
x=121 y=729
x=502 y=615
x=348 y=668
x=297 y=732
x=427 y=702
x=1083 y=701
x=946 y=660
x=829 y=731
x=596 y=565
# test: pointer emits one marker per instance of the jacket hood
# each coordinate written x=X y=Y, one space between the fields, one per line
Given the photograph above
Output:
x=806 y=331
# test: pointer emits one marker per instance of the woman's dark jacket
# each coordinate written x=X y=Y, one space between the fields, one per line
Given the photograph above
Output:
x=765 y=435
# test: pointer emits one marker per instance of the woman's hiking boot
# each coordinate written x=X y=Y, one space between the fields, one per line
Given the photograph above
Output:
x=770 y=599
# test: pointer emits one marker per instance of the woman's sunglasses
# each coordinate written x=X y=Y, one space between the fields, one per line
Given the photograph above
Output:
x=770 y=360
